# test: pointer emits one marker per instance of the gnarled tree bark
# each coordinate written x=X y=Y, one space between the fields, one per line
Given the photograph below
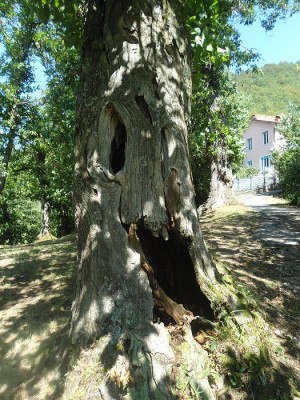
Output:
x=132 y=168
x=221 y=191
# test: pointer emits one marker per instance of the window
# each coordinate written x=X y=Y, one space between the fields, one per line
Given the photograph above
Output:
x=249 y=163
x=249 y=144
x=265 y=162
x=265 y=137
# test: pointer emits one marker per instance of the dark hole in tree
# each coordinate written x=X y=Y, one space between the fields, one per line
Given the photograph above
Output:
x=201 y=324
x=117 y=152
x=140 y=100
x=174 y=270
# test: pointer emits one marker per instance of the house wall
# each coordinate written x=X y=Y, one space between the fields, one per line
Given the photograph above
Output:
x=259 y=149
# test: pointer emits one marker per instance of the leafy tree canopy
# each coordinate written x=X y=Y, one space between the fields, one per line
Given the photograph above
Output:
x=36 y=144
x=53 y=33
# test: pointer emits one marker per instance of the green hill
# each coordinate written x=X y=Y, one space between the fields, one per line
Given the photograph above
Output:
x=271 y=89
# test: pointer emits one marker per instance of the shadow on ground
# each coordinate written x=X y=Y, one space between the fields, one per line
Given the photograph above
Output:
x=271 y=271
x=37 y=289
x=251 y=243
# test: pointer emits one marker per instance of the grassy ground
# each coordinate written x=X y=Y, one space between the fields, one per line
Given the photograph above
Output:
x=37 y=287
x=267 y=275
x=36 y=291
x=267 y=271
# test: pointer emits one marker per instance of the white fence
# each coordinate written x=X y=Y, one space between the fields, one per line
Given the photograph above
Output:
x=259 y=183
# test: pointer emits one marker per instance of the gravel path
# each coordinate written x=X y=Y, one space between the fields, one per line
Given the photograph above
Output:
x=281 y=223
x=280 y=231
x=262 y=249
x=280 y=228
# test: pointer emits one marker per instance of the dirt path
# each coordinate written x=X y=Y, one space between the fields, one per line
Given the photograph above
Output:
x=281 y=223
x=260 y=244
x=279 y=231
x=36 y=291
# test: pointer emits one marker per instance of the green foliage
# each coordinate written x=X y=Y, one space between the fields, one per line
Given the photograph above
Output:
x=251 y=367
x=290 y=126
x=68 y=16
x=271 y=89
x=219 y=117
x=19 y=214
x=205 y=21
x=288 y=165
x=16 y=78
x=246 y=172
x=52 y=31
x=37 y=144
x=287 y=161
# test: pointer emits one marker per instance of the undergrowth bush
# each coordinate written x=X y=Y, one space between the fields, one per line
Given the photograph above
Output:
x=288 y=165
x=19 y=220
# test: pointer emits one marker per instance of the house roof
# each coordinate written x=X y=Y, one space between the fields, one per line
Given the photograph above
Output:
x=266 y=118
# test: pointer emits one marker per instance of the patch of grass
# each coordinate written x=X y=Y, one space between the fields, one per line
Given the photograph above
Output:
x=251 y=360
x=232 y=210
x=267 y=371
x=36 y=291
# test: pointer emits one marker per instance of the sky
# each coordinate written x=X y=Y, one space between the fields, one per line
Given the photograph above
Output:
x=280 y=44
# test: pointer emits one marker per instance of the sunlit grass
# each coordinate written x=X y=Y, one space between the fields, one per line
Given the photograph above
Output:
x=36 y=291
x=230 y=236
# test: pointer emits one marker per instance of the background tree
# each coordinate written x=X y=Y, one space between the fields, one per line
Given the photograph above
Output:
x=17 y=35
x=42 y=134
x=218 y=117
x=215 y=142
x=19 y=211
x=287 y=160
x=57 y=116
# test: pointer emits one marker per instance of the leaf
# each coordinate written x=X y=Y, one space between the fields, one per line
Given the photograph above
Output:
x=43 y=13
x=213 y=345
x=199 y=40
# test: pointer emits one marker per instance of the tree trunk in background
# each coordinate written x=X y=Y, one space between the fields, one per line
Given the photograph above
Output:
x=45 y=205
x=132 y=168
x=221 y=185
x=45 y=217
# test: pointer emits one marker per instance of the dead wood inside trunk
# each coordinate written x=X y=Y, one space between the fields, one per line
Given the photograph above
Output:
x=174 y=270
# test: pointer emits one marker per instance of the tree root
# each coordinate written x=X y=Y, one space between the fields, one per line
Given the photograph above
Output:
x=173 y=309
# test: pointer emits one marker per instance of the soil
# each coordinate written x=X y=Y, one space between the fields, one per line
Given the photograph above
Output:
x=259 y=242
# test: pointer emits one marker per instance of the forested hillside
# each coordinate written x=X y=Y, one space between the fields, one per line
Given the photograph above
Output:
x=272 y=88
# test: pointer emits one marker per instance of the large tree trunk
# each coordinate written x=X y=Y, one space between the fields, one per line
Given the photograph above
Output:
x=132 y=170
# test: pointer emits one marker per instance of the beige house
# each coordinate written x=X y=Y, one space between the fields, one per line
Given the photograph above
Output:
x=261 y=138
